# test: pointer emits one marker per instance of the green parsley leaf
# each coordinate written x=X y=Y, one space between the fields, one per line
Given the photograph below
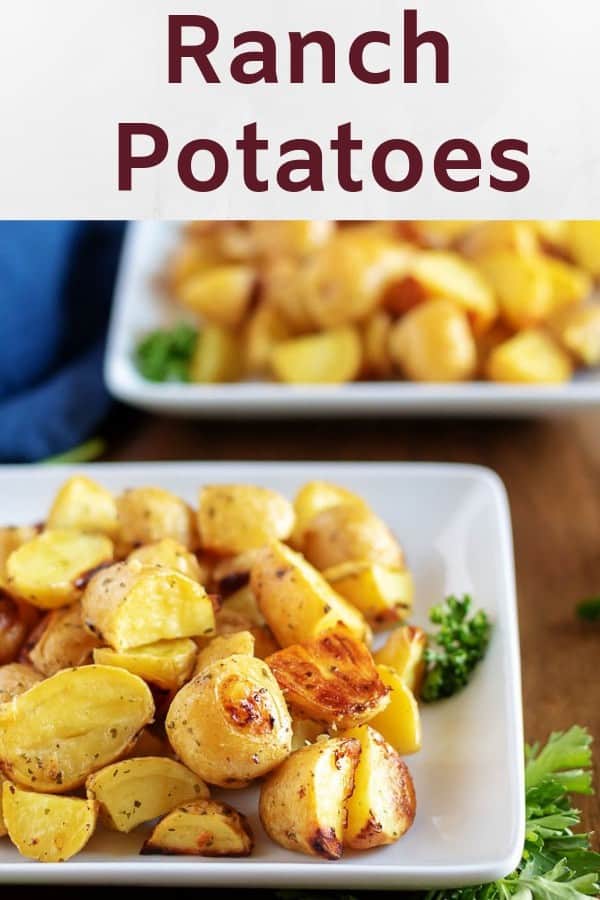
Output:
x=165 y=355
x=589 y=610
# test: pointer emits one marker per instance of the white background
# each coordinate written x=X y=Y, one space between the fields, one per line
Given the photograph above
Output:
x=71 y=70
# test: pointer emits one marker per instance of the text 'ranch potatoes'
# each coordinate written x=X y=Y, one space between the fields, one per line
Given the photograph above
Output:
x=428 y=301
x=152 y=652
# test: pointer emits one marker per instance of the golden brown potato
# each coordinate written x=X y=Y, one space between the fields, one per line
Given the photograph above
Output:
x=404 y=651
x=220 y=294
x=167 y=664
x=240 y=642
x=171 y=554
x=384 y=594
x=83 y=505
x=522 y=284
x=332 y=679
x=383 y=804
x=350 y=532
x=218 y=357
x=284 y=286
x=302 y=803
x=230 y=724
x=201 y=828
x=582 y=240
x=233 y=518
x=266 y=328
x=296 y=601
x=530 y=357
x=11 y=538
x=131 y=605
x=15 y=679
x=61 y=730
x=50 y=570
x=434 y=342
x=64 y=641
x=488 y=237
x=290 y=238
x=17 y=619
x=438 y=233
x=3 y=831
x=399 y=722
x=139 y=789
x=240 y=613
x=377 y=361
x=569 y=284
x=577 y=329
x=44 y=827
x=314 y=497
x=149 y=514
x=333 y=356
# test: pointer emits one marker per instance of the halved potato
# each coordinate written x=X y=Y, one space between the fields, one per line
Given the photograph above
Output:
x=295 y=599
x=569 y=284
x=83 y=505
x=202 y=828
x=133 y=605
x=219 y=294
x=314 y=497
x=171 y=554
x=136 y=790
x=530 y=357
x=577 y=329
x=294 y=238
x=11 y=538
x=384 y=594
x=434 y=342
x=332 y=679
x=231 y=723
x=404 y=651
x=167 y=664
x=17 y=619
x=233 y=518
x=50 y=570
x=266 y=328
x=15 y=679
x=64 y=641
x=220 y=647
x=328 y=357
x=383 y=804
x=523 y=286
x=64 y=728
x=149 y=514
x=350 y=532
x=400 y=722
x=302 y=803
x=217 y=358
x=582 y=240
x=44 y=827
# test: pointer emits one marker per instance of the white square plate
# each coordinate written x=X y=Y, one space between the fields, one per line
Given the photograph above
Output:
x=139 y=308
x=454 y=524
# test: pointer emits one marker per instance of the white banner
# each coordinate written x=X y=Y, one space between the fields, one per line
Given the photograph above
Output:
x=433 y=109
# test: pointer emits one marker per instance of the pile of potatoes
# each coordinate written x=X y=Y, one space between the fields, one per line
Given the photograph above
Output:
x=150 y=653
x=436 y=301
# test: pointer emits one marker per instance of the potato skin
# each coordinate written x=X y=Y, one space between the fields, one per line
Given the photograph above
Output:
x=201 y=828
x=233 y=518
x=230 y=724
x=15 y=679
x=171 y=554
x=350 y=532
x=64 y=641
x=149 y=514
x=83 y=505
x=17 y=619
x=302 y=802
x=312 y=498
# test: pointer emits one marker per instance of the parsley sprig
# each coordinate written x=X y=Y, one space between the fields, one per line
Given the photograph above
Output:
x=165 y=355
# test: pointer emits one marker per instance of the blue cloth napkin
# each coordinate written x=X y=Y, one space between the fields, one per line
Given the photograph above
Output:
x=56 y=283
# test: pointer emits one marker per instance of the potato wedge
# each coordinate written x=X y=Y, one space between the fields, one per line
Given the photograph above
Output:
x=149 y=514
x=434 y=342
x=50 y=570
x=171 y=554
x=201 y=828
x=332 y=679
x=220 y=294
x=231 y=723
x=384 y=594
x=314 y=497
x=296 y=600
x=64 y=642
x=139 y=789
x=350 y=533
x=15 y=679
x=233 y=518
x=302 y=803
x=382 y=806
x=400 y=722
x=329 y=357
x=61 y=730
x=218 y=357
x=17 y=619
x=577 y=329
x=83 y=505
x=530 y=357
x=134 y=605
x=404 y=651
x=240 y=642
x=44 y=827
x=167 y=664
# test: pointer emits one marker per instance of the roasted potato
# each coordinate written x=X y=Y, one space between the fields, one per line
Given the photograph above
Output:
x=50 y=570
x=149 y=514
x=569 y=284
x=384 y=594
x=11 y=538
x=240 y=642
x=232 y=573
x=305 y=731
x=15 y=679
x=350 y=532
x=377 y=361
x=302 y=803
x=517 y=237
x=3 y=831
x=404 y=651
x=171 y=554
x=231 y=723
x=383 y=804
x=202 y=828
x=399 y=722
x=332 y=679
x=265 y=330
x=220 y=295
x=434 y=342
x=167 y=664
x=218 y=357
x=577 y=329
x=17 y=619
x=530 y=357
x=295 y=599
x=64 y=641
x=233 y=518
x=139 y=789
x=330 y=357
x=582 y=240
x=44 y=827
x=294 y=238
x=523 y=286
x=83 y=505
x=61 y=730
x=314 y=497
x=131 y=605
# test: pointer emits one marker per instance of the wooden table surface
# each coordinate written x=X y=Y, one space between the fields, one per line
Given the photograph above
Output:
x=551 y=468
